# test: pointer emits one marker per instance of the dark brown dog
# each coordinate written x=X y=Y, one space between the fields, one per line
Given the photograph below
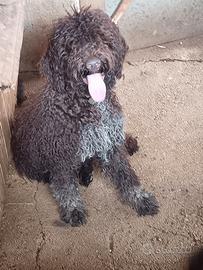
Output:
x=77 y=118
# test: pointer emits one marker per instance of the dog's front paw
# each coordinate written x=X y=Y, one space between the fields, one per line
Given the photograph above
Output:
x=131 y=144
x=75 y=217
x=85 y=180
x=146 y=204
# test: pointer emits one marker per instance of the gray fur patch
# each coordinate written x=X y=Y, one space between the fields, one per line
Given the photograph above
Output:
x=99 y=140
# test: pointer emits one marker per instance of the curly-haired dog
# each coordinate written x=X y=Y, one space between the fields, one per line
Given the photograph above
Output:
x=77 y=118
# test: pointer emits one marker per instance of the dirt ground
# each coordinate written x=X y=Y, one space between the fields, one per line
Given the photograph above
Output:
x=162 y=97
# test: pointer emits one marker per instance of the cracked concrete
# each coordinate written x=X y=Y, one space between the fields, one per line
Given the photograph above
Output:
x=162 y=101
x=165 y=60
x=42 y=233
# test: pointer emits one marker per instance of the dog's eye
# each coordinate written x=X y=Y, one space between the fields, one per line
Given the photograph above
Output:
x=84 y=73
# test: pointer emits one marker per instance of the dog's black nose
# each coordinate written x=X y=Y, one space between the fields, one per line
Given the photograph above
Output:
x=93 y=64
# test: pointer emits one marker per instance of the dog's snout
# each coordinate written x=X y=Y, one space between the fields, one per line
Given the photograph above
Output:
x=93 y=64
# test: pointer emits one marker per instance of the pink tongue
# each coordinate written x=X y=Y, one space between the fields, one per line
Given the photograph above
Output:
x=97 y=87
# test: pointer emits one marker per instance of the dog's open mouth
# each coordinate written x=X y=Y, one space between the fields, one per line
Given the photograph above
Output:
x=96 y=86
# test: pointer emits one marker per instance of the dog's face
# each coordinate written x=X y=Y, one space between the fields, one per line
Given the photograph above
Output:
x=88 y=49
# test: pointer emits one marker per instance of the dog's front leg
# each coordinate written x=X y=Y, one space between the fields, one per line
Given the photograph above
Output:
x=118 y=169
x=66 y=192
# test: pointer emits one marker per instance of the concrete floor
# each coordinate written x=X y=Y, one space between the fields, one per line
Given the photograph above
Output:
x=161 y=93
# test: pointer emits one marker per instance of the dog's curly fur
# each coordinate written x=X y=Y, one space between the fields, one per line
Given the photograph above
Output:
x=58 y=136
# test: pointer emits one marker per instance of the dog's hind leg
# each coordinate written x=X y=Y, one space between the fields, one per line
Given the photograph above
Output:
x=65 y=189
x=85 y=175
x=120 y=172
x=131 y=144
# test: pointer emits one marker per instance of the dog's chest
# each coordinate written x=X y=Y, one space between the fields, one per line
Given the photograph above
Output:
x=99 y=139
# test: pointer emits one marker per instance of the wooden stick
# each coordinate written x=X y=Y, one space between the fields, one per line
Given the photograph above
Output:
x=119 y=11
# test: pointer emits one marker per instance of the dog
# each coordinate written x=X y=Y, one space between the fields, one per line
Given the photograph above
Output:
x=77 y=120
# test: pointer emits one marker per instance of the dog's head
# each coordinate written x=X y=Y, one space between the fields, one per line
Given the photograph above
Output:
x=87 y=50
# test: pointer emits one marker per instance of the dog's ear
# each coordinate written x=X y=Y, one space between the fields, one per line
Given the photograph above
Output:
x=49 y=64
x=53 y=63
